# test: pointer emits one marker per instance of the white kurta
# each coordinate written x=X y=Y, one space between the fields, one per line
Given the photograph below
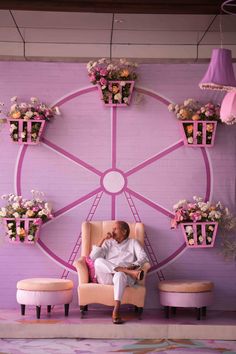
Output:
x=113 y=254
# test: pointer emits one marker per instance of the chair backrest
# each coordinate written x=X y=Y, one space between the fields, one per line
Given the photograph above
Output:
x=93 y=231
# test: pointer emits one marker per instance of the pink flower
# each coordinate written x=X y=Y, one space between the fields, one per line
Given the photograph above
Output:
x=103 y=72
x=196 y=216
x=103 y=81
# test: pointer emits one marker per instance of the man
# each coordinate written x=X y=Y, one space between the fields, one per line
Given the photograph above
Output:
x=118 y=260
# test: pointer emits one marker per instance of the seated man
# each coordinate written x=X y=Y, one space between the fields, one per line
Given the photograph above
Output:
x=118 y=260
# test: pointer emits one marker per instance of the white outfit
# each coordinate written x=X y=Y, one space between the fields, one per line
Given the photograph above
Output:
x=113 y=254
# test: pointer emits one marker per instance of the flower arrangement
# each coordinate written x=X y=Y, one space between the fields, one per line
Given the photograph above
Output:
x=192 y=110
x=204 y=212
x=103 y=72
x=35 y=112
x=17 y=209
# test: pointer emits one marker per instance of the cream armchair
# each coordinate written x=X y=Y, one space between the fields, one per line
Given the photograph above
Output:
x=89 y=293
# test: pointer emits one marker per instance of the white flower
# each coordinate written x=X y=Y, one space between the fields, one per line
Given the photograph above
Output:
x=28 y=204
x=34 y=100
x=10 y=224
x=48 y=207
x=12 y=127
x=23 y=135
x=211 y=228
x=209 y=239
x=15 y=206
x=118 y=97
x=14 y=99
x=18 y=230
x=57 y=111
x=126 y=99
x=30 y=237
x=29 y=114
x=3 y=214
x=23 y=105
x=180 y=204
x=16 y=215
x=10 y=232
x=200 y=239
x=191 y=241
x=13 y=107
x=190 y=140
x=189 y=229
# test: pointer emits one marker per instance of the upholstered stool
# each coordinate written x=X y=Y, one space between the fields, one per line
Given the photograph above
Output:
x=44 y=291
x=186 y=293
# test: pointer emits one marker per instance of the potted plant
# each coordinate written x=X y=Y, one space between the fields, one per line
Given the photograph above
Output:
x=115 y=80
x=198 y=122
x=199 y=221
x=27 y=120
x=22 y=218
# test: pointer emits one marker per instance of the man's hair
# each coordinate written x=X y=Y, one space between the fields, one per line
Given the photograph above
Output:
x=124 y=226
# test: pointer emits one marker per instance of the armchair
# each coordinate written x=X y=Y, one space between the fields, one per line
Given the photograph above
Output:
x=89 y=293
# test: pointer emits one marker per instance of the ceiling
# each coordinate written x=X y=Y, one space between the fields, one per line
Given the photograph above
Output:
x=147 y=31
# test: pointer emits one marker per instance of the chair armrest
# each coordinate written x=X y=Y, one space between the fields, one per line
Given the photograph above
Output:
x=82 y=270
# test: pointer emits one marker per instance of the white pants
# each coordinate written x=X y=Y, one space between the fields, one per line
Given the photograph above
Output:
x=106 y=274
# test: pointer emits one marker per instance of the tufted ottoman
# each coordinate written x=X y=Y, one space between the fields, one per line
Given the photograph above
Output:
x=186 y=293
x=44 y=291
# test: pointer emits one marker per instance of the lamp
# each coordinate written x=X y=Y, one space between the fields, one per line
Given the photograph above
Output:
x=228 y=108
x=220 y=73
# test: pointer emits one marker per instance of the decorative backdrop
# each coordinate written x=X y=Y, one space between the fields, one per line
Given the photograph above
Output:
x=103 y=163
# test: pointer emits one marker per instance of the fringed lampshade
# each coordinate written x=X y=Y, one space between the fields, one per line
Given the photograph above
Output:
x=228 y=108
x=220 y=73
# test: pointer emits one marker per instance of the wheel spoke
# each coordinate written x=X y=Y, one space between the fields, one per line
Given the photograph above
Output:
x=71 y=157
x=156 y=157
x=70 y=206
x=150 y=203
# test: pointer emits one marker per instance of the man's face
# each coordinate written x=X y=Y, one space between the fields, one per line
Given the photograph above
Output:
x=118 y=234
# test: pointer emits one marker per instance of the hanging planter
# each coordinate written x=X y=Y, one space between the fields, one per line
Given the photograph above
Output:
x=26 y=132
x=23 y=218
x=115 y=80
x=198 y=122
x=27 y=121
x=198 y=133
x=199 y=234
x=22 y=230
x=116 y=93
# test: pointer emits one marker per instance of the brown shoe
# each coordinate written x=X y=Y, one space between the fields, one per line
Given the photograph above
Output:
x=116 y=319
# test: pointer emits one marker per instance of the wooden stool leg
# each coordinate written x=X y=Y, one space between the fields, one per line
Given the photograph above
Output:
x=199 y=313
x=66 y=306
x=22 y=307
x=49 y=307
x=38 y=311
x=204 y=310
x=167 y=312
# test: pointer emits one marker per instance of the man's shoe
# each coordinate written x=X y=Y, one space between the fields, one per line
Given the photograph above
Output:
x=116 y=319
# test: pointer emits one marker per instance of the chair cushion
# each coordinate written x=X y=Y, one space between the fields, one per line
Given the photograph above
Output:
x=44 y=284
x=91 y=270
x=186 y=286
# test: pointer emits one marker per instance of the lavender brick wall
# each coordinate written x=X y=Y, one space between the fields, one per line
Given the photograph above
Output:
x=126 y=138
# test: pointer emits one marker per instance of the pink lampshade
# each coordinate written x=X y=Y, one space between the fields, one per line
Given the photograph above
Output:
x=228 y=108
x=220 y=73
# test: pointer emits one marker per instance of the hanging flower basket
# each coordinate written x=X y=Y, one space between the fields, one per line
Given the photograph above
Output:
x=26 y=132
x=115 y=80
x=116 y=93
x=199 y=234
x=27 y=121
x=198 y=133
x=22 y=230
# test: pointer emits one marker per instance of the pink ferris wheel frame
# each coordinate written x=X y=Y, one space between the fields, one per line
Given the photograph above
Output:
x=107 y=179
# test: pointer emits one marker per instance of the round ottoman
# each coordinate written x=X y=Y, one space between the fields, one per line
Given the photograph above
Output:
x=186 y=293
x=44 y=291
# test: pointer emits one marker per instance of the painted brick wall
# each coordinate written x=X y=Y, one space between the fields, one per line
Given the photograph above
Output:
x=92 y=139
